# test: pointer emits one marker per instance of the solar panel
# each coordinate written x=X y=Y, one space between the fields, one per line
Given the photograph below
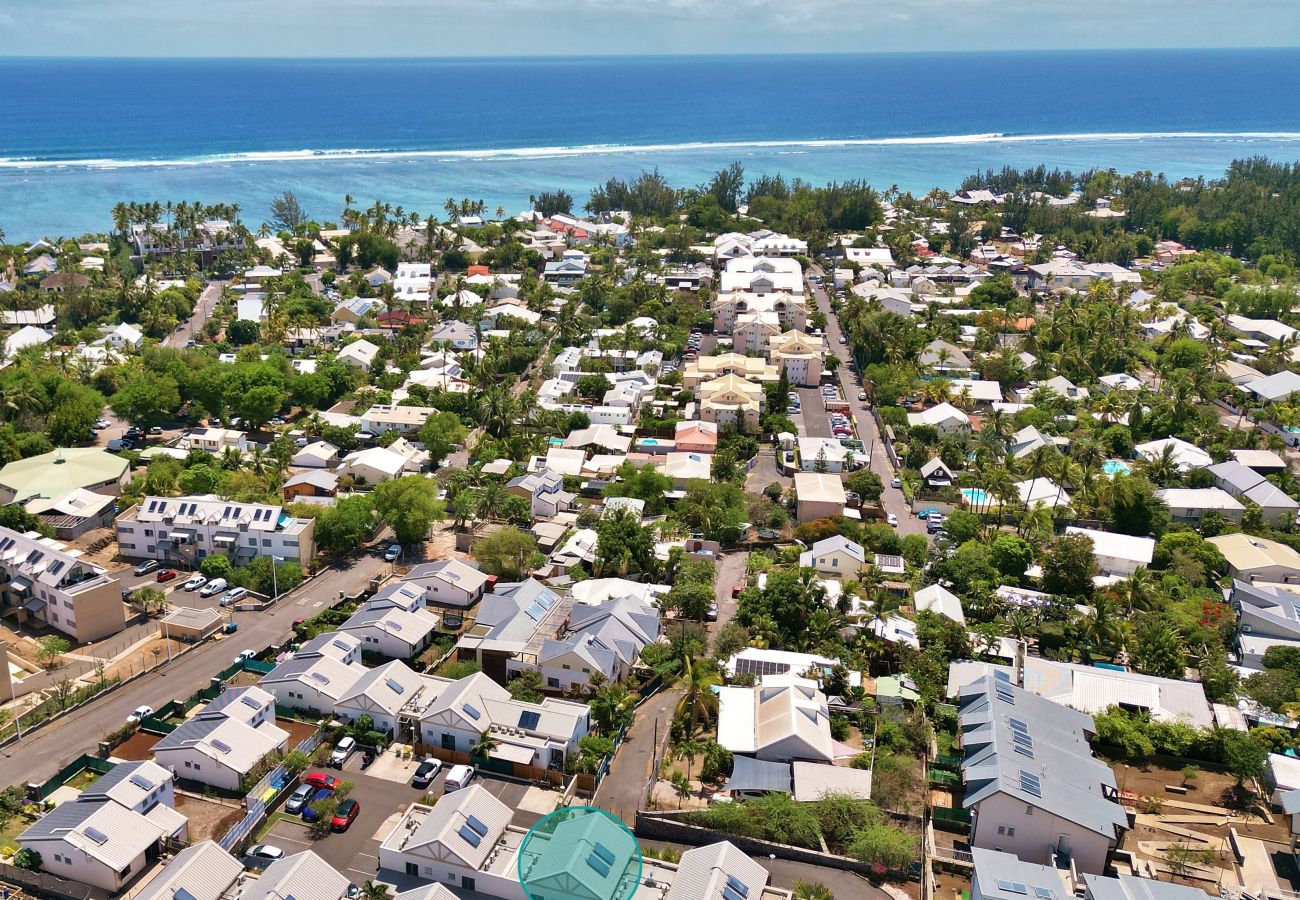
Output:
x=1011 y=887
x=475 y=825
x=182 y=894
x=220 y=745
x=471 y=711
x=1030 y=784
x=1023 y=740
x=141 y=782
x=1017 y=725
x=737 y=885
x=249 y=702
x=598 y=865
x=1024 y=751
x=395 y=686
x=96 y=835
x=529 y=718
x=320 y=677
x=470 y=837
x=1004 y=694
x=604 y=853
x=729 y=894
x=999 y=675
x=1045 y=893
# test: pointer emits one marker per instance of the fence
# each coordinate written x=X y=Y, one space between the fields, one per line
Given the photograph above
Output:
x=43 y=884
x=67 y=773
x=954 y=820
x=262 y=795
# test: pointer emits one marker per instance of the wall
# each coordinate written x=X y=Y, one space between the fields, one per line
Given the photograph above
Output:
x=1036 y=835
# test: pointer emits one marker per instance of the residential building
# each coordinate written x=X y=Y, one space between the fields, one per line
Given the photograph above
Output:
x=1190 y=505
x=393 y=631
x=755 y=331
x=683 y=468
x=318 y=675
x=302 y=876
x=223 y=743
x=449 y=842
x=835 y=556
x=218 y=440
x=938 y=599
x=943 y=358
x=385 y=417
x=1031 y=782
x=381 y=693
x=73 y=514
x=696 y=437
x=449 y=582
x=823 y=455
x=1254 y=559
x=203 y=871
x=607 y=639
x=310 y=485
x=799 y=355
x=455 y=334
x=1248 y=485
x=59 y=472
x=360 y=354
x=782 y=718
x=375 y=464
x=544 y=492
x=731 y=401
x=412 y=282
x=718 y=872
x=761 y=275
x=1186 y=456
x=1117 y=554
x=818 y=495
x=54 y=585
x=1267 y=616
x=790 y=309
x=187 y=530
x=753 y=369
x=945 y=418
x=564 y=272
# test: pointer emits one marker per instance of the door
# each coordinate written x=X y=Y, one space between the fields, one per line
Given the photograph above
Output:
x=467 y=883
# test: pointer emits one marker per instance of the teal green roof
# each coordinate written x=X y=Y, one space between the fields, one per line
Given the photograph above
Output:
x=588 y=856
x=54 y=474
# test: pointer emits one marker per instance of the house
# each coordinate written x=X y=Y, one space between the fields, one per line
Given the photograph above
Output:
x=683 y=468
x=799 y=356
x=318 y=675
x=454 y=334
x=1275 y=388
x=55 y=585
x=1030 y=780
x=943 y=358
x=1119 y=381
x=203 y=871
x=944 y=418
x=395 y=632
x=1248 y=485
x=599 y=437
x=412 y=282
x=544 y=492
x=316 y=455
x=450 y=841
x=1063 y=387
x=302 y=876
x=1190 y=505
x=62 y=471
x=75 y=513
x=790 y=309
x=42 y=316
x=381 y=693
x=251 y=307
x=936 y=474
x=449 y=582
x=27 y=336
x=835 y=556
x=1263 y=461
x=822 y=455
x=696 y=437
x=360 y=354
x=780 y=719
x=939 y=600
x=1254 y=559
x=1267 y=615
x=509 y=626
x=187 y=530
x=540 y=735
x=761 y=275
x=717 y=872
x=376 y=464
x=708 y=368
x=385 y=417
x=1117 y=554
x=1003 y=876
x=99 y=842
x=564 y=272
x=1093 y=690
x=64 y=281
x=895 y=629
x=606 y=638
x=759 y=661
x=218 y=440
x=732 y=401
x=818 y=495
x=975 y=392
x=225 y=741
x=1186 y=456
x=1266 y=330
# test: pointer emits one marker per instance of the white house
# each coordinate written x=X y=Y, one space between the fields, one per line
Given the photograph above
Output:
x=375 y=464
x=835 y=556
x=99 y=842
x=360 y=354
x=449 y=842
x=782 y=718
x=944 y=418
x=226 y=740
x=1190 y=505
x=381 y=693
x=449 y=582
x=607 y=639
x=1255 y=559
x=187 y=530
x=1117 y=554
x=938 y=599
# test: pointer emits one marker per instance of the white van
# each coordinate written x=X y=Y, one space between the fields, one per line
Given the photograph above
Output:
x=459 y=777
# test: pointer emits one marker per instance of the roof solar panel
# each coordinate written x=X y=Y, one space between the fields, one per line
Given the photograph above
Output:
x=737 y=885
x=96 y=835
x=598 y=865
x=604 y=853
x=529 y=718
x=471 y=711
x=729 y=894
x=476 y=826
x=469 y=836
x=141 y=782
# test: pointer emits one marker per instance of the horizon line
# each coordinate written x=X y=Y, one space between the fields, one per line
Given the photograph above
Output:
x=723 y=54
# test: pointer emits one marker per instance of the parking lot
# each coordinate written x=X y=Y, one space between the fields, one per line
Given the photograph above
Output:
x=384 y=791
x=173 y=589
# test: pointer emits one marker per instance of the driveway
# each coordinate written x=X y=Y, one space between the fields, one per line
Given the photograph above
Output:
x=202 y=311
x=625 y=785
x=765 y=472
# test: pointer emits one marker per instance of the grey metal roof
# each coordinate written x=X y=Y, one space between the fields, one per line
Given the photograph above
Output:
x=1130 y=887
x=1004 y=876
x=750 y=774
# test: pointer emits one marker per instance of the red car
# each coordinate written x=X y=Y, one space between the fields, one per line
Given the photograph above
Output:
x=166 y=574
x=321 y=780
x=345 y=815
x=737 y=588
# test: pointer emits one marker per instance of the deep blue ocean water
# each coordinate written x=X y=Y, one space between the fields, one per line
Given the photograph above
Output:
x=77 y=136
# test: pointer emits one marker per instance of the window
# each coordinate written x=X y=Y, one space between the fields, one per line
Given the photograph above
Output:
x=566 y=665
x=1007 y=830
x=188 y=764
x=412 y=869
x=552 y=682
x=1029 y=810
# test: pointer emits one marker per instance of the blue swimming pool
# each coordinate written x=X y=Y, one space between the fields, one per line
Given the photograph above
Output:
x=1114 y=467
x=976 y=496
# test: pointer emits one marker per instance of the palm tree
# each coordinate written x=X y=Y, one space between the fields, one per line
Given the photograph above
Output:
x=484 y=746
x=1137 y=591
x=698 y=703
x=375 y=890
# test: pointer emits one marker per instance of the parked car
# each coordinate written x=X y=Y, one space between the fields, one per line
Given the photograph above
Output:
x=140 y=712
x=246 y=654
x=342 y=750
x=299 y=798
x=347 y=813
x=393 y=552
x=320 y=780
x=892 y=519
x=262 y=855
x=458 y=778
x=156 y=430
x=195 y=583
x=215 y=586
x=862 y=395
x=896 y=483
x=233 y=595
x=309 y=814
x=166 y=574
x=426 y=771
x=712 y=614
x=146 y=567
x=101 y=424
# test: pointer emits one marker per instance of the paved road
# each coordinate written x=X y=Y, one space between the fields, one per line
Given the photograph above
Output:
x=765 y=472
x=202 y=312
x=624 y=788
x=53 y=746
x=892 y=499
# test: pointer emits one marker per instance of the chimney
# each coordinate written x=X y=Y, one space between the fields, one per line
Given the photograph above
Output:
x=1021 y=649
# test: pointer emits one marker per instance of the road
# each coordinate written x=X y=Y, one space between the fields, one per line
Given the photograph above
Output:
x=892 y=499
x=202 y=312
x=39 y=756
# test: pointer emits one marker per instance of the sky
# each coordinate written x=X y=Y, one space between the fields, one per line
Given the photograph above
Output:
x=479 y=28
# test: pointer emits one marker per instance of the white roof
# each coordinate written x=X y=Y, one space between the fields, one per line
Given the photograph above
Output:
x=939 y=599
x=1187 y=456
x=937 y=415
x=1118 y=546
x=1200 y=498
x=819 y=487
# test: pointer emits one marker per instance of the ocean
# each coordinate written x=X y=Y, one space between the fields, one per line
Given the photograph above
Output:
x=79 y=135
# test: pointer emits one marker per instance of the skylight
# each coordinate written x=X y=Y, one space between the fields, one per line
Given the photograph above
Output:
x=96 y=835
x=395 y=686
x=141 y=782
x=220 y=745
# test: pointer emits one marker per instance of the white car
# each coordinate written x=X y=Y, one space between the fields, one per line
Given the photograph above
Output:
x=892 y=519
x=233 y=595
x=194 y=583
x=215 y=586
x=140 y=712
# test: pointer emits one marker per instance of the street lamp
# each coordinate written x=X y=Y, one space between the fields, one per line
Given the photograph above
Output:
x=275 y=586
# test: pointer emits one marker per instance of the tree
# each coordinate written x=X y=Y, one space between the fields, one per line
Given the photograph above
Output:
x=375 y=890
x=623 y=547
x=243 y=331
x=217 y=566
x=258 y=405
x=324 y=810
x=1182 y=858
x=1011 y=555
x=866 y=484
x=484 y=746
x=812 y=890
x=1159 y=651
x=286 y=213
x=410 y=505
x=527 y=688
x=611 y=704
x=28 y=859
x=698 y=703
x=346 y=525
x=1190 y=773
x=548 y=203
x=145 y=398
x=884 y=845
x=50 y=649
x=508 y=553
x=690 y=599
x=150 y=599
x=1243 y=755
x=1069 y=567
x=441 y=433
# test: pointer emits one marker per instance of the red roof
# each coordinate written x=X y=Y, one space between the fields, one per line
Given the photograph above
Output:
x=478 y=270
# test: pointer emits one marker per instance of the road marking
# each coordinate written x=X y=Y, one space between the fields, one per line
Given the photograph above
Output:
x=318 y=604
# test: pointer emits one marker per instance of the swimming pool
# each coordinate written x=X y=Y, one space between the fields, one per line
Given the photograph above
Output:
x=1115 y=467
x=976 y=496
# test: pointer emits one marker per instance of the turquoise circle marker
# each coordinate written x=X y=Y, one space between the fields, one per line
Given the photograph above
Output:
x=580 y=853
